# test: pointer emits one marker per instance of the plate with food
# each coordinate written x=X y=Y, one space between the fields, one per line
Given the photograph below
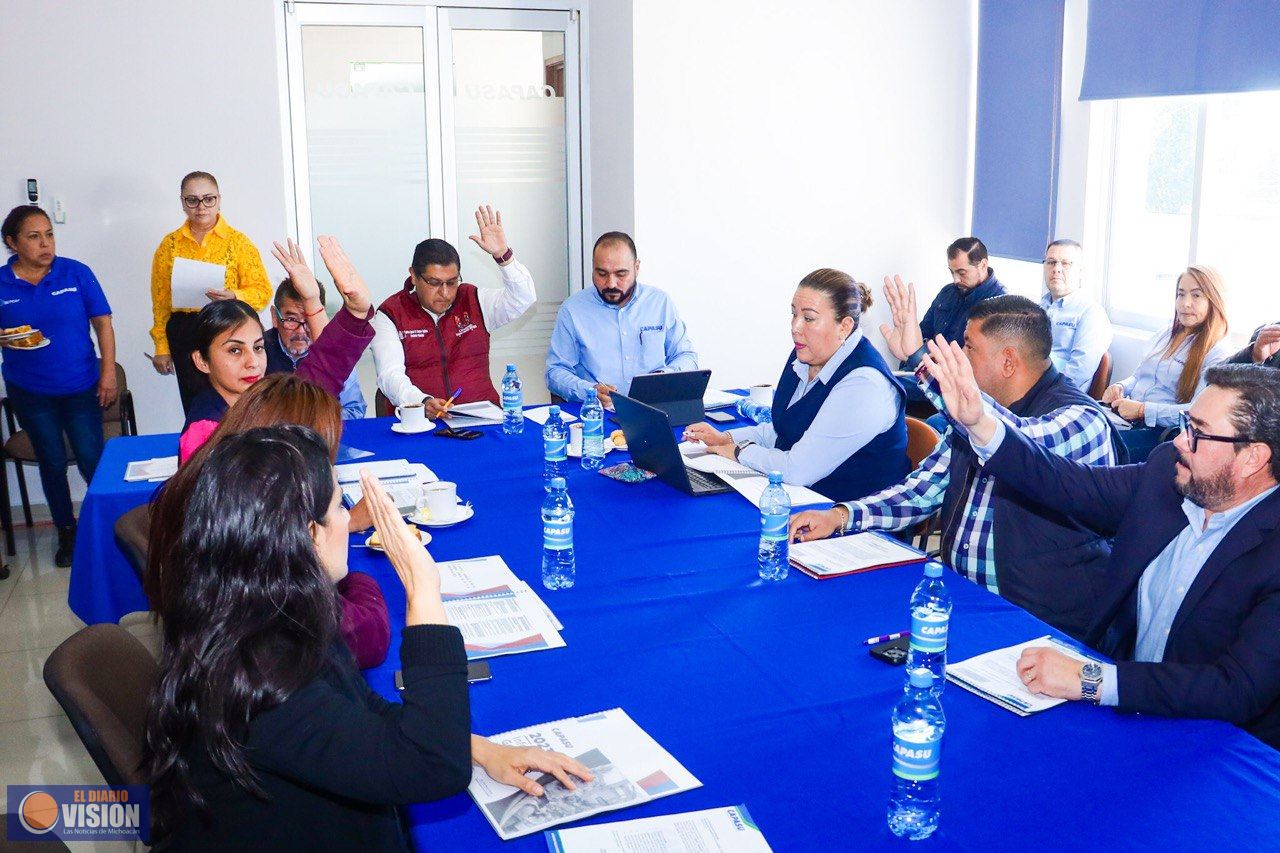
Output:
x=375 y=541
x=23 y=337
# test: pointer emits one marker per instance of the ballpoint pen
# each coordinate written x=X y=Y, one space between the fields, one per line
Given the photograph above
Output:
x=871 y=641
x=447 y=403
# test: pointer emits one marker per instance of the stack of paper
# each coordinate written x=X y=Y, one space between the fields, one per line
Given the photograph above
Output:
x=725 y=829
x=480 y=413
x=847 y=555
x=153 y=470
x=497 y=613
x=994 y=676
x=629 y=768
x=750 y=484
x=402 y=479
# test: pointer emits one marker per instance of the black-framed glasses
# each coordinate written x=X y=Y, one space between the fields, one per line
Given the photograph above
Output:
x=290 y=323
x=436 y=284
x=194 y=201
x=1195 y=436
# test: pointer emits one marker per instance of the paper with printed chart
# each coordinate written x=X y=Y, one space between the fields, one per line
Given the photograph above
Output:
x=746 y=482
x=629 y=768
x=994 y=676
x=724 y=830
x=190 y=281
x=497 y=613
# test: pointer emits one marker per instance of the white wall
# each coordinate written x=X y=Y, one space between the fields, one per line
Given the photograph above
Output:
x=109 y=110
x=774 y=139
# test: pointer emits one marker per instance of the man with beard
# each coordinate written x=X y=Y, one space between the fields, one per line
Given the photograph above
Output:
x=289 y=340
x=607 y=335
x=1191 y=613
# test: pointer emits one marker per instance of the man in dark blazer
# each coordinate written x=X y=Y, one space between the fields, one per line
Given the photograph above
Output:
x=1191 y=613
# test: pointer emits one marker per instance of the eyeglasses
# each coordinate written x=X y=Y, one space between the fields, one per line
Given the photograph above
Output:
x=436 y=284
x=1066 y=265
x=194 y=201
x=1195 y=436
x=290 y=323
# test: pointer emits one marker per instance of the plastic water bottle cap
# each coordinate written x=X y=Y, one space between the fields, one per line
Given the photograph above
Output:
x=511 y=368
x=775 y=478
x=558 y=483
x=933 y=570
x=553 y=412
x=921 y=678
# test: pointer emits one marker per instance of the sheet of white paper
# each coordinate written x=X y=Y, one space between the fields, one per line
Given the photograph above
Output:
x=994 y=676
x=842 y=554
x=502 y=623
x=725 y=830
x=191 y=279
x=481 y=413
x=402 y=479
x=158 y=469
x=718 y=399
x=629 y=766
x=539 y=415
x=750 y=484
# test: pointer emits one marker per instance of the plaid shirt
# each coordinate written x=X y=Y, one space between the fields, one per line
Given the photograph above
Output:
x=1079 y=433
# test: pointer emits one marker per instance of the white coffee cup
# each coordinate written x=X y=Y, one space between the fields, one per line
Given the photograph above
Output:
x=412 y=416
x=575 y=439
x=761 y=395
x=441 y=499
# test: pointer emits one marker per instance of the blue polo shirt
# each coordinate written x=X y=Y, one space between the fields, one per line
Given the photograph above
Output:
x=59 y=306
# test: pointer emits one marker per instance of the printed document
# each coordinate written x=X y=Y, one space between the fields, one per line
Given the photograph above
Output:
x=154 y=470
x=497 y=613
x=746 y=482
x=402 y=479
x=857 y=552
x=628 y=765
x=539 y=415
x=191 y=279
x=725 y=830
x=480 y=413
x=479 y=576
x=994 y=676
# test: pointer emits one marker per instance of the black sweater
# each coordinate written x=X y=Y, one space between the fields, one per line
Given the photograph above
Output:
x=335 y=758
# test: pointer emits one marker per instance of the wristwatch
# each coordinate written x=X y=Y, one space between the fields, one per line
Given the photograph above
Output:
x=505 y=256
x=1091 y=682
x=741 y=446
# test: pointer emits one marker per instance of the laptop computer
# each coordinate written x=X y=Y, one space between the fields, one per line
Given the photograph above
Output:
x=653 y=447
x=677 y=394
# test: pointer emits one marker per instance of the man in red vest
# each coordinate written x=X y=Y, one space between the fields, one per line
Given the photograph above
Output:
x=432 y=337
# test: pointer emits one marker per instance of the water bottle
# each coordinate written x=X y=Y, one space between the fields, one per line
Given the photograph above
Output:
x=918 y=724
x=592 y=415
x=755 y=412
x=775 y=514
x=512 y=402
x=558 y=570
x=930 y=620
x=555 y=447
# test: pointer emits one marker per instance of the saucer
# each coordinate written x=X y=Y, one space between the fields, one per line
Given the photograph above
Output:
x=426 y=540
x=465 y=511
x=404 y=430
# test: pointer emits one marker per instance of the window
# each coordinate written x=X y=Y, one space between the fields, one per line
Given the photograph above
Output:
x=1192 y=181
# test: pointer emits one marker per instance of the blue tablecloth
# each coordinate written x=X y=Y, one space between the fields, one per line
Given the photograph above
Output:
x=764 y=691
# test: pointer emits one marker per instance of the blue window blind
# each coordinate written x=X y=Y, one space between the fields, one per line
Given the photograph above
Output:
x=1019 y=98
x=1147 y=48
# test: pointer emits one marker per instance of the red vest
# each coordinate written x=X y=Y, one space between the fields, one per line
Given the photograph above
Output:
x=452 y=354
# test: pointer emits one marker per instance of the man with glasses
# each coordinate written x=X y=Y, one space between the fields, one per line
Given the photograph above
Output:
x=289 y=341
x=1081 y=328
x=608 y=334
x=432 y=337
x=1190 y=608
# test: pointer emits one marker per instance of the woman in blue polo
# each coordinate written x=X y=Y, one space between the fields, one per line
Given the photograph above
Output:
x=59 y=388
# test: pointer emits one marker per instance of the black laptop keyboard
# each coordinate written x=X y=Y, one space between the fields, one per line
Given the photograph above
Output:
x=703 y=482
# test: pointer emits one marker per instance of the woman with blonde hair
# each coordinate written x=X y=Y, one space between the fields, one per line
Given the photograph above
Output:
x=1172 y=371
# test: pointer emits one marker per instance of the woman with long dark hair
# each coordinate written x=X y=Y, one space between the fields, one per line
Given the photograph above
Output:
x=261 y=733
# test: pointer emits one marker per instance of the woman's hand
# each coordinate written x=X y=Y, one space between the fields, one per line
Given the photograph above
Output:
x=355 y=293
x=219 y=295
x=508 y=764
x=1130 y=410
x=1113 y=393
x=304 y=281
x=411 y=561
x=163 y=364
x=108 y=389
x=707 y=434
x=360 y=517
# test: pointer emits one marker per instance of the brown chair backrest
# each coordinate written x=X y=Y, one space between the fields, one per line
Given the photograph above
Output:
x=381 y=405
x=1101 y=377
x=132 y=535
x=113 y=413
x=102 y=677
x=921 y=440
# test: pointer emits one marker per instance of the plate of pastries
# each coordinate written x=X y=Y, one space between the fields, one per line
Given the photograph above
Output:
x=23 y=337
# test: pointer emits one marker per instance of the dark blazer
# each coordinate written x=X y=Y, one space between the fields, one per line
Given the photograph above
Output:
x=1222 y=657
x=1245 y=356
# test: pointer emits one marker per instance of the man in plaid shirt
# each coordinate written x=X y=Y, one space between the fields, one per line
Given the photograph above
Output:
x=1036 y=558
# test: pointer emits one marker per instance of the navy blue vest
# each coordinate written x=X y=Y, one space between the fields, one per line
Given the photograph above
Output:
x=879 y=463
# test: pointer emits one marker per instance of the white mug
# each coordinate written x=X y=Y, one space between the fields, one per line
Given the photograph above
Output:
x=412 y=416
x=762 y=395
x=441 y=499
x=575 y=439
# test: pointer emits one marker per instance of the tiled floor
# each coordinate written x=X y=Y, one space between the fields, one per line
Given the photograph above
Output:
x=37 y=743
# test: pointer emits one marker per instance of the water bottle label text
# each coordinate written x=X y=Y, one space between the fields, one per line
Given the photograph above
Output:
x=917 y=761
x=929 y=632
x=557 y=535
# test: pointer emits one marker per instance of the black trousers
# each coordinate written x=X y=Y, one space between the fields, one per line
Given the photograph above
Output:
x=180 y=330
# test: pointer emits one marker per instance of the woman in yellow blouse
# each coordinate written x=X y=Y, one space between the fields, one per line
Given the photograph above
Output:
x=206 y=239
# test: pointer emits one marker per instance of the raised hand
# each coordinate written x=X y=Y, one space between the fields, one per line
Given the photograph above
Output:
x=950 y=368
x=304 y=281
x=904 y=336
x=355 y=293
x=491 y=237
x=414 y=566
x=1267 y=344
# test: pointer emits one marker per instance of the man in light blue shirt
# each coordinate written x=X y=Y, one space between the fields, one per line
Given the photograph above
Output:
x=1081 y=328
x=608 y=334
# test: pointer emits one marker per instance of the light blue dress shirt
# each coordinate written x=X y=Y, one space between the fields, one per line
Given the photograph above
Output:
x=351 y=399
x=834 y=435
x=1165 y=581
x=1081 y=335
x=1155 y=382
x=594 y=341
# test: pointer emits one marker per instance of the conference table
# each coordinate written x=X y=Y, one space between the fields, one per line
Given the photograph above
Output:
x=763 y=691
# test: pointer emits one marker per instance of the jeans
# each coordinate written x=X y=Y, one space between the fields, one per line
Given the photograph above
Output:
x=45 y=418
